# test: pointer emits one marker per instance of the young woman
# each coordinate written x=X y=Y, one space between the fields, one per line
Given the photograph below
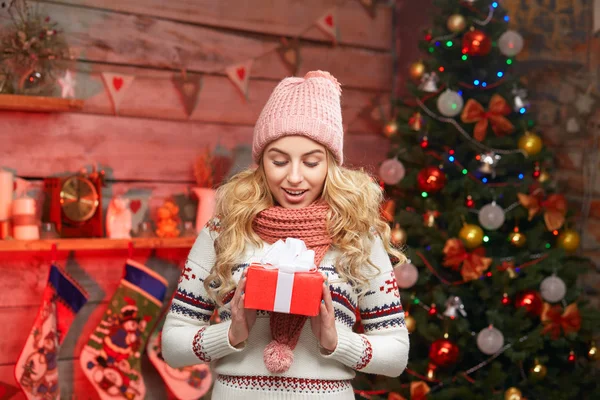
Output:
x=298 y=190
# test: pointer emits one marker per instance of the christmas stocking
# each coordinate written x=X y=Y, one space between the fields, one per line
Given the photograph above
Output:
x=36 y=370
x=111 y=357
x=7 y=391
x=187 y=383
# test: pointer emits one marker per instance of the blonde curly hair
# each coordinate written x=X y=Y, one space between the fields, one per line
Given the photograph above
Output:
x=355 y=219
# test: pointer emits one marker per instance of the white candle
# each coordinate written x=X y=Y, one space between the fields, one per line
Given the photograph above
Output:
x=23 y=206
x=6 y=194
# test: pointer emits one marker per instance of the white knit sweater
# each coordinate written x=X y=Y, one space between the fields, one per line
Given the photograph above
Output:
x=187 y=337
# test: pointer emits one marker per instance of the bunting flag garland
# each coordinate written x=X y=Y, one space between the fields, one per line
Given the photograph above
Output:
x=328 y=24
x=289 y=52
x=117 y=85
x=239 y=74
x=188 y=87
x=370 y=6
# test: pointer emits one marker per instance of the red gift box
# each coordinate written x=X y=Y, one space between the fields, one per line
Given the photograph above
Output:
x=268 y=289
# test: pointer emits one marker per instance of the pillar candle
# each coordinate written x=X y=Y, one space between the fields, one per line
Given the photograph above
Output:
x=6 y=194
x=25 y=225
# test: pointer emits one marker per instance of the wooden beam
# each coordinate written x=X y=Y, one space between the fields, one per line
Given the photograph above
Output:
x=135 y=149
x=149 y=42
x=38 y=103
x=96 y=244
x=281 y=17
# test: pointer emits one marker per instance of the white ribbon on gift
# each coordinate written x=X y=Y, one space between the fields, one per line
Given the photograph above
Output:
x=289 y=256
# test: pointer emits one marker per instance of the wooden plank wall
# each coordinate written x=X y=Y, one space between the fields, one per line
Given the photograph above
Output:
x=152 y=143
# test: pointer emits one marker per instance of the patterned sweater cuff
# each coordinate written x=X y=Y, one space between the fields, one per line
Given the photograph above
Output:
x=352 y=350
x=212 y=342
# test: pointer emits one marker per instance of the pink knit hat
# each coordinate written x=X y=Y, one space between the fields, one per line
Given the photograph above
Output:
x=308 y=106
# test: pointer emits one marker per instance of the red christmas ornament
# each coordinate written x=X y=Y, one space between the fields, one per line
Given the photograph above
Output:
x=476 y=43
x=431 y=179
x=572 y=357
x=531 y=301
x=470 y=203
x=443 y=353
x=505 y=299
x=433 y=310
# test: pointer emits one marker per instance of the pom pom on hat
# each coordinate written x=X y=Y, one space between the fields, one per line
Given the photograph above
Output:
x=326 y=75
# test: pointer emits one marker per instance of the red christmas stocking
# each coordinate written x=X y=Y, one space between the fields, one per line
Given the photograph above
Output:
x=111 y=357
x=36 y=370
x=187 y=383
x=7 y=391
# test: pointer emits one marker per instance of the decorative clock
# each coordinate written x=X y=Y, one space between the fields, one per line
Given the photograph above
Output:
x=74 y=205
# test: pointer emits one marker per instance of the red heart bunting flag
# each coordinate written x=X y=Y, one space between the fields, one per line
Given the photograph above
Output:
x=328 y=24
x=239 y=74
x=117 y=85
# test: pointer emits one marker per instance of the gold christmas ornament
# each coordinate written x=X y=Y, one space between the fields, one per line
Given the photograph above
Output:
x=390 y=129
x=592 y=352
x=471 y=235
x=517 y=238
x=398 y=235
x=411 y=323
x=568 y=240
x=456 y=23
x=513 y=393
x=538 y=371
x=417 y=70
x=530 y=143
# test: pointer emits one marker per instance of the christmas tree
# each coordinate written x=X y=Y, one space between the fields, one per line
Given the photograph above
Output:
x=489 y=289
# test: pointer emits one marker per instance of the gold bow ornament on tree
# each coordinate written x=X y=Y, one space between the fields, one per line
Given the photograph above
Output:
x=555 y=320
x=471 y=265
x=494 y=116
x=554 y=207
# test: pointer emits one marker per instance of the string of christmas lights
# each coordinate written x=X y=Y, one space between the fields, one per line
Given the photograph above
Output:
x=489 y=16
x=466 y=134
x=536 y=258
x=452 y=159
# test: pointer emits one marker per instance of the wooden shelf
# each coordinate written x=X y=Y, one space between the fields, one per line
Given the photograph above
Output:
x=15 y=102
x=96 y=244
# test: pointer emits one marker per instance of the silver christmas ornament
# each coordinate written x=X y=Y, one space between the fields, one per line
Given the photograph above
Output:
x=454 y=304
x=429 y=82
x=520 y=99
x=489 y=161
x=490 y=340
x=553 y=289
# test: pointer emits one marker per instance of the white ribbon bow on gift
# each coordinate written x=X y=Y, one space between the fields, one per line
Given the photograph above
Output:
x=288 y=257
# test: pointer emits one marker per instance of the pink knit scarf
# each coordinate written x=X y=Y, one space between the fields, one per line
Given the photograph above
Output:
x=308 y=224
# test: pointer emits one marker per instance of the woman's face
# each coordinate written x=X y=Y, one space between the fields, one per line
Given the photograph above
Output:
x=295 y=168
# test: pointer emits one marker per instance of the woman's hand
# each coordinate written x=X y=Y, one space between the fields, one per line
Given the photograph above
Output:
x=242 y=319
x=323 y=325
